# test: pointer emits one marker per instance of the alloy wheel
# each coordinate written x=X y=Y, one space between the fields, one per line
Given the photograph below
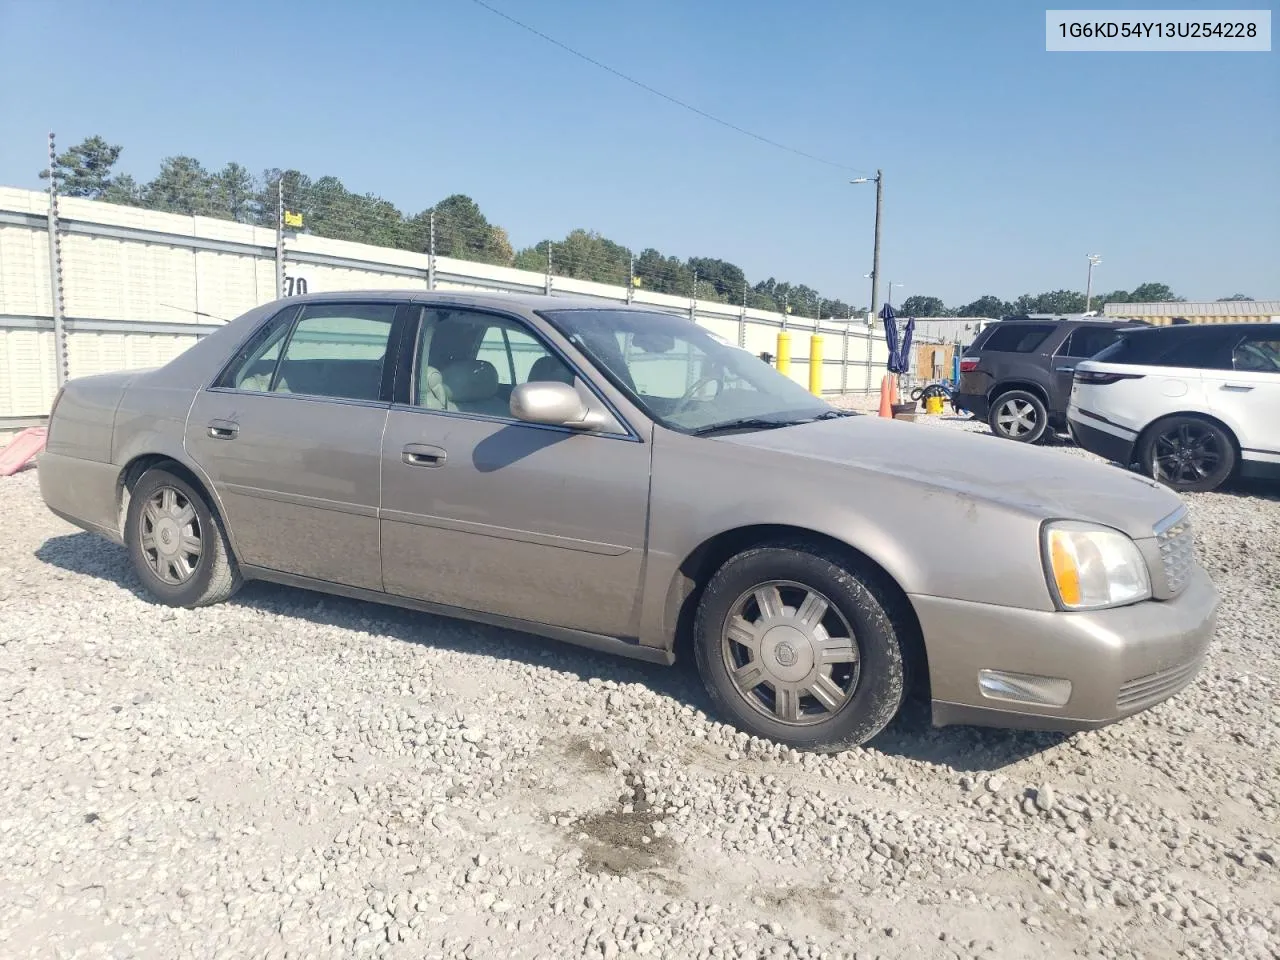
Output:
x=790 y=653
x=170 y=537
x=1017 y=418
x=1186 y=453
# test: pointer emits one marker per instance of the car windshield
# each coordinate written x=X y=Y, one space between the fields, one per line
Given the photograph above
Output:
x=682 y=376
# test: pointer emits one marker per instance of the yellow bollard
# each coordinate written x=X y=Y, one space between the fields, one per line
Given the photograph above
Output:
x=815 y=364
x=784 y=352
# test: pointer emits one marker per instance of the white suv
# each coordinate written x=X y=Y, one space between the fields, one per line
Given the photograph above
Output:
x=1191 y=405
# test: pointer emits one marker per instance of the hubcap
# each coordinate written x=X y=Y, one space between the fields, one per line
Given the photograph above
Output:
x=1017 y=418
x=1186 y=453
x=790 y=653
x=169 y=532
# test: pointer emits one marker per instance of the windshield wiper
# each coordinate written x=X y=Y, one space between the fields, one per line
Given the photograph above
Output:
x=744 y=423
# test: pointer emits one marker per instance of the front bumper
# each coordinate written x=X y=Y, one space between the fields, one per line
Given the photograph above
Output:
x=1098 y=440
x=1119 y=661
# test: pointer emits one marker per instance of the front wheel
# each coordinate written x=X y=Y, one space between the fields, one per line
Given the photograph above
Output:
x=1187 y=454
x=178 y=549
x=795 y=647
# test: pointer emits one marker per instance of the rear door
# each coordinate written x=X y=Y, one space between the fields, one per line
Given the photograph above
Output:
x=1247 y=396
x=1082 y=343
x=291 y=437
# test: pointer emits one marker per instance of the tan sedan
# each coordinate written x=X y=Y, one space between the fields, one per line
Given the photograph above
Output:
x=616 y=477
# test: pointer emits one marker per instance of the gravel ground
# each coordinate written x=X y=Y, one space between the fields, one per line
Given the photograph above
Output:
x=291 y=775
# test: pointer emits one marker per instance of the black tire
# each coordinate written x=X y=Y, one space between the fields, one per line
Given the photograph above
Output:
x=213 y=575
x=875 y=684
x=1018 y=415
x=1210 y=454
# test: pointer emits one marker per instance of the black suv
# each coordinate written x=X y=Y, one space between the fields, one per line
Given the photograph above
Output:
x=1017 y=374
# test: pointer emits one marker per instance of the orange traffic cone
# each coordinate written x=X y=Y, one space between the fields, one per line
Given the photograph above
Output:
x=886 y=405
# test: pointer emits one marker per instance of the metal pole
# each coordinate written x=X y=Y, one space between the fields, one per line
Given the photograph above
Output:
x=55 y=275
x=875 y=273
x=548 y=287
x=431 y=251
x=693 y=301
x=631 y=279
x=280 y=238
x=1094 y=260
x=742 y=319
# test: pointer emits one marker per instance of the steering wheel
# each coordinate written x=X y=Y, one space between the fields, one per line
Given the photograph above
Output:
x=691 y=395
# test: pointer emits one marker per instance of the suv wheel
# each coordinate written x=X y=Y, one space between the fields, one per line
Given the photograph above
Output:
x=1187 y=454
x=1018 y=415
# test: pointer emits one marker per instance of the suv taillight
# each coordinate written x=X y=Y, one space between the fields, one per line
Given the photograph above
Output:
x=1102 y=379
x=968 y=366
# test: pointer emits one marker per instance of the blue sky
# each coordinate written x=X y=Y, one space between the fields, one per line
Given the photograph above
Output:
x=1004 y=165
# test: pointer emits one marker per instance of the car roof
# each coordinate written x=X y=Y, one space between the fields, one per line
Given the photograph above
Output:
x=1185 y=329
x=480 y=298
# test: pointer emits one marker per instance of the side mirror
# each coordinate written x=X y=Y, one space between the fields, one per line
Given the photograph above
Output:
x=553 y=403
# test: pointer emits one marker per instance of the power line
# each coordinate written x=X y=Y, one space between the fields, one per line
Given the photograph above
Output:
x=658 y=93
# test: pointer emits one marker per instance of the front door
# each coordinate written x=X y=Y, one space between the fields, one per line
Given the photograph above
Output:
x=1082 y=343
x=484 y=512
x=1247 y=396
x=291 y=438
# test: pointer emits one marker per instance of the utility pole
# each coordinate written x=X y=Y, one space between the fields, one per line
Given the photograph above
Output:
x=631 y=278
x=548 y=290
x=875 y=266
x=1094 y=260
x=875 y=253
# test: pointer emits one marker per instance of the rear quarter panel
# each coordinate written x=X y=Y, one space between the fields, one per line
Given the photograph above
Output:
x=1135 y=404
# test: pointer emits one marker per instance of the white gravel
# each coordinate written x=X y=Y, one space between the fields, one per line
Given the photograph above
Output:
x=291 y=775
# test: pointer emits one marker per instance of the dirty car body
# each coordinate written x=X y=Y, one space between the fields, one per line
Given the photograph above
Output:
x=616 y=478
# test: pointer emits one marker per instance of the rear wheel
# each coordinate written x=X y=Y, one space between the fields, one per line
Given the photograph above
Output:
x=1018 y=415
x=795 y=647
x=178 y=548
x=1188 y=454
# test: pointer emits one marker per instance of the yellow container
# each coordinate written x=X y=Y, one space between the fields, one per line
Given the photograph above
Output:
x=933 y=405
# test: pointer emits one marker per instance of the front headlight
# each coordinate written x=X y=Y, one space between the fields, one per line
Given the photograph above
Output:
x=1089 y=566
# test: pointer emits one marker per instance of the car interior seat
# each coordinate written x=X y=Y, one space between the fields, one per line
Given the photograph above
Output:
x=551 y=369
x=473 y=387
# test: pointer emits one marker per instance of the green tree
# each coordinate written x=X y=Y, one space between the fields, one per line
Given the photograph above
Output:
x=1154 y=293
x=182 y=186
x=85 y=169
x=234 y=193
x=921 y=306
x=726 y=279
x=1234 y=297
x=123 y=190
x=986 y=306
x=463 y=232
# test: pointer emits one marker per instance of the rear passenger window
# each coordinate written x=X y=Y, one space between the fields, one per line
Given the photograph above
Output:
x=1204 y=349
x=1088 y=341
x=1018 y=338
x=1258 y=353
x=336 y=350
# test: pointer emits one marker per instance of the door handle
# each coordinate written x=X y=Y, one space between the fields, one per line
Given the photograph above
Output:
x=1238 y=387
x=424 y=455
x=223 y=430
x=1066 y=369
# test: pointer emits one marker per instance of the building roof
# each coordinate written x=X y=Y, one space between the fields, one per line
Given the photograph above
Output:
x=1190 y=309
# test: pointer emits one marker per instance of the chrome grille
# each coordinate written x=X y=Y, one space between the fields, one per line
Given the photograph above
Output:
x=1153 y=687
x=1177 y=553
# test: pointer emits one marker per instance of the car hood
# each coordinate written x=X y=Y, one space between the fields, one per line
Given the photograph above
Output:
x=1044 y=483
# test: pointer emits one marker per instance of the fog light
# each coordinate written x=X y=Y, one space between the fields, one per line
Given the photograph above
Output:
x=1024 y=688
